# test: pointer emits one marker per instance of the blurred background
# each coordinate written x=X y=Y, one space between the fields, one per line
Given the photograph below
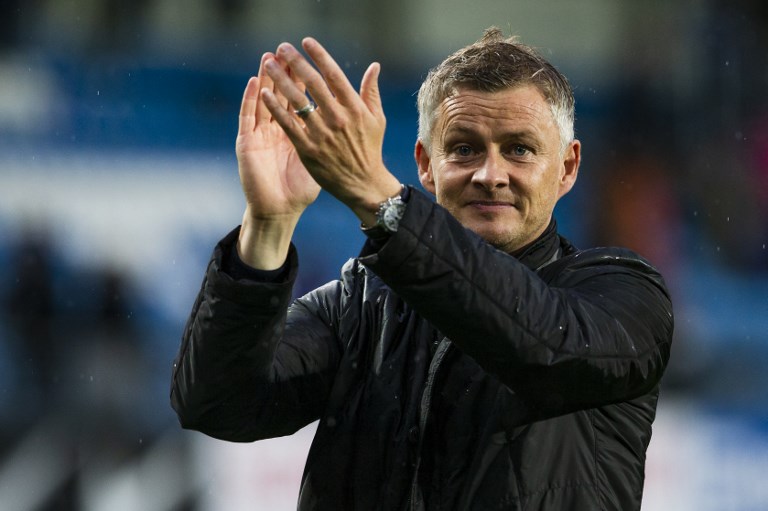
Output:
x=118 y=176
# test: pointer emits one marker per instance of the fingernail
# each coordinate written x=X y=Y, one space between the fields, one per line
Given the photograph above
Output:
x=284 y=48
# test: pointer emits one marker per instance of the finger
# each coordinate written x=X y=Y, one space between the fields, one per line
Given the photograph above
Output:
x=287 y=120
x=268 y=83
x=286 y=87
x=265 y=81
x=369 y=89
x=279 y=95
x=308 y=75
x=249 y=106
x=334 y=76
x=299 y=84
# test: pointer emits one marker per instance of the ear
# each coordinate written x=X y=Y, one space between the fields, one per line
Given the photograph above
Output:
x=421 y=155
x=571 y=162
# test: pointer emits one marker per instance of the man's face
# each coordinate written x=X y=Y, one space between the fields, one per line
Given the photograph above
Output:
x=496 y=163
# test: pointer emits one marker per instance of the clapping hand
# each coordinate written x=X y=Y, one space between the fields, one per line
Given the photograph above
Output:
x=277 y=187
x=340 y=143
x=272 y=175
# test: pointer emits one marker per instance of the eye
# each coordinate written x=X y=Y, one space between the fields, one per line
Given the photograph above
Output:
x=463 y=150
x=520 y=150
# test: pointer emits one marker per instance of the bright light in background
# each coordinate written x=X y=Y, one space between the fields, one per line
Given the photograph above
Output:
x=139 y=213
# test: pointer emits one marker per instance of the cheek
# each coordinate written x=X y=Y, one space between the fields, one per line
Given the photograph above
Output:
x=447 y=194
x=545 y=198
x=547 y=188
x=444 y=182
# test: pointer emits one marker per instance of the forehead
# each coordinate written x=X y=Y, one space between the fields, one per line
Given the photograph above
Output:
x=517 y=109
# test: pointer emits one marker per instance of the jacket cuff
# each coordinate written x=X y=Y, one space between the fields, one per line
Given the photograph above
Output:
x=401 y=244
x=250 y=289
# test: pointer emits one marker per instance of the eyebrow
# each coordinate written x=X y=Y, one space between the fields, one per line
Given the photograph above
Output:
x=524 y=135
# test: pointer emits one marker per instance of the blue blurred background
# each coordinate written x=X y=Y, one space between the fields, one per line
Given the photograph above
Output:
x=118 y=176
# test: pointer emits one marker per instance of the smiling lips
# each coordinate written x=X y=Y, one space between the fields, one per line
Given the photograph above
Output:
x=490 y=205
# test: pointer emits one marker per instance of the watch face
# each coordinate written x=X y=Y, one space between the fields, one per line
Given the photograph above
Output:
x=391 y=214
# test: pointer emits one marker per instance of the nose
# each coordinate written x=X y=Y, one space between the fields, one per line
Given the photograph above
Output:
x=492 y=173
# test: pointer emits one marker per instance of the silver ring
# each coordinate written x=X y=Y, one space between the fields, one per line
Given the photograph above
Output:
x=304 y=111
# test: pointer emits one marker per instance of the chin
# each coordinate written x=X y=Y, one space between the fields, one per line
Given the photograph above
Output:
x=500 y=240
x=494 y=232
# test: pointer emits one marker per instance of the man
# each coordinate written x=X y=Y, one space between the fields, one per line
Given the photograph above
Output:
x=470 y=358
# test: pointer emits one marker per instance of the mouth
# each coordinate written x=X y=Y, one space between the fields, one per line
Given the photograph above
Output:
x=490 y=205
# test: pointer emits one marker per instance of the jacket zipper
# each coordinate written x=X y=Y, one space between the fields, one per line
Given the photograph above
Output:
x=414 y=499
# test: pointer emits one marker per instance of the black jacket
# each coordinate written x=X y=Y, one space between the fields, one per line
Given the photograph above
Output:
x=446 y=374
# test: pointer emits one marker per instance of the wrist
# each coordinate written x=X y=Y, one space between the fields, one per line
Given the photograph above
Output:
x=388 y=215
x=368 y=207
x=263 y=243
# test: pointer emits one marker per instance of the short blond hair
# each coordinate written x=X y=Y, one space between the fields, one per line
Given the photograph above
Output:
x=492 y=64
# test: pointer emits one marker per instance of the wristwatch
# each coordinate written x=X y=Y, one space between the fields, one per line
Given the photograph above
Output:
x=388 y=216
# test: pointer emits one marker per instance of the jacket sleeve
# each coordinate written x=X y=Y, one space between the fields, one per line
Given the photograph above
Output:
x=598 y=332
x=250 y=365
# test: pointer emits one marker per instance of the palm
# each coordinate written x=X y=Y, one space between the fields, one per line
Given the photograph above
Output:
x=273 y=178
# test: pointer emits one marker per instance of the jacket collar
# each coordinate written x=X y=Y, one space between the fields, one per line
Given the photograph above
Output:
x=542 y=250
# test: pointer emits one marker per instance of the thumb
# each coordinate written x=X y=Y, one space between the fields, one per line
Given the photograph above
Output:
x=369 y=89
